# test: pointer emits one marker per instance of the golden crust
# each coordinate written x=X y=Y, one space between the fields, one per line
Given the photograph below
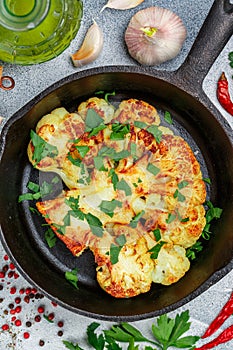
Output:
x=164 y=187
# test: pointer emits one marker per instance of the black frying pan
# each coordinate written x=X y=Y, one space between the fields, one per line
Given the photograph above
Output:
x=196 y=119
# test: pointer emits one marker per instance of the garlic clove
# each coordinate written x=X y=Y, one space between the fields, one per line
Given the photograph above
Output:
x=122 y=4
x=154 y=35
x=91 y=47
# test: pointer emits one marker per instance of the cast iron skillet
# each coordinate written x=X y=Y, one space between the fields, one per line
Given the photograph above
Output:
x=195 y=118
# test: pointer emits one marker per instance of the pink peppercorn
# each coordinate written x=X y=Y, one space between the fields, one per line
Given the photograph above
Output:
x=60 y=324
x=13 y=290
x=51 y=316
x=5 y=327
x=21 y=291
x=26 y=335
x=40 y=309
x=2 y=274
x=12 y=266
x=18 y=323
x=6 y=257
x=18 y=309
x=28 y=290
x=17 y=300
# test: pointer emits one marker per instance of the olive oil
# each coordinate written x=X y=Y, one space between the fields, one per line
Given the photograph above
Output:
x=35 y=31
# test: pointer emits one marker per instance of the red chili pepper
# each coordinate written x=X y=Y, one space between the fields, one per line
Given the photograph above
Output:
x=223 y=94
x=226 y=312
x=224 y=337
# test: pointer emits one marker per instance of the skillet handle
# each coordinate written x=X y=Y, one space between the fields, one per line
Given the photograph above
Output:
x=212 y=37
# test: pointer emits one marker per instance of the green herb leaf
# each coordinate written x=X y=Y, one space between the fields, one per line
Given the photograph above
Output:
x=156 y=249
x=121 y=240
x=47 y=319
x=122 y=185
x=114 y=253
x=140 y=125
x=71 y=346
x=168 y=331
x=82 y=150
x=50 y=238
x=26 y=197
x=133 y=150
x=108 y=207
x=207 y=180
x=179 y=196
x=168 y=117
x=106 y=94
x=119 y=131
x=42 y=149
x=152 y=169
x=95 y=225
x=114 y=178
x=171 y=217
x=182 y=184
x=157 y=234
x=99 y=163
x=154 y=130
x=33 y=186
x=97 y=342
x=134 y=222
x=74 y=161
x=92 y=120
x=96 y=130
x=195 y=248
x=120 y=155
x=72 y=277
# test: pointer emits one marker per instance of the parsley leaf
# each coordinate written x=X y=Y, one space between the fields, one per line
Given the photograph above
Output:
x=122 y=185
x=74 y=161
x=207 y=180
x=42 y=148
x=182 y=184
x=72 y=277
x=71 y=346
x=92 y=120
x=168 y=117
x=195 y=248
x=134 y=222
x=97 y=129
x=152 y=169
x=115 y=250
x=119 y=131
x=50 y=238
x=157 y=234
x=99 y=163
x=171 y=217
x=108 y=207
x=180 y=197
x=154 y=130
x=82 y=150
x=96 y=341
x=156 y=249
x=106 y=94
x=95 y=224
x=140 y=125
x=114 y=178
x=168 y=331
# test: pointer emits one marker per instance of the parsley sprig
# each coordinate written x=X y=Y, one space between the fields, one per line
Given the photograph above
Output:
x=167 y=332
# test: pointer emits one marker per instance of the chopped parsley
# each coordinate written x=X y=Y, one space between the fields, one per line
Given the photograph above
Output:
x=95 y=224
x=122 y=185
x=140 y=125
x=42 y=148
x=74 y=161
x=154 y=130
x=82 y=150
x=106 y=94
x=152 y=169
x=182 y=184
x=134 y=222
x=114 y=178
x=156 y=249
x=168 y=117
x=50 y=237
x=171 y=217
x=157 y=234
x=207 y=180
x=99 y=163
x=119 y=131
x=115 y=249
x=93 y=119
x=72 y=277
x=108 y=207
x=180 y=197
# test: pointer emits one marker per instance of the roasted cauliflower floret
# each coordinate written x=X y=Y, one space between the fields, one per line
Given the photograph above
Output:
x=131 y=275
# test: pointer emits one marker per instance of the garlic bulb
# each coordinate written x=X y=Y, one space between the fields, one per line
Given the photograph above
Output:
x=122 y=4
x=90 y=48
x=154 y=35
